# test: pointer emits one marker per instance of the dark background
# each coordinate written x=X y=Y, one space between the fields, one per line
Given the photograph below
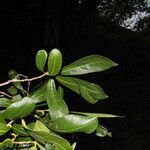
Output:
x=79 y=28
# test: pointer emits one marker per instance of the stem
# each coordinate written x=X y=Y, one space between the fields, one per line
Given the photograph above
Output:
x=24 y=142
x=5 y=94
x=23 y=80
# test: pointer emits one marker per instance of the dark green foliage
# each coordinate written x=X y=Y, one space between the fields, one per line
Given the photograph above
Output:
x=22 y=114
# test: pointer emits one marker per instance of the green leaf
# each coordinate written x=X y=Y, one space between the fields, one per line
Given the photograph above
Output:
x=102 y=132
x=56 y=104
x=89 y=91
x=89 y=64
x=39 y=95
x=5 y=102
x=12 y=90
x=44 y=137
x=98 y=115
x=49 y=147
x=19 y=109
x=54 y=62
x=2 y=120
x=84 y=93
x=19 y=130
x=75 y=123
x=40 y=60
x=6 y=144
x=39 y=126
x=60 y=91
x=49 y=138
x=3 y=128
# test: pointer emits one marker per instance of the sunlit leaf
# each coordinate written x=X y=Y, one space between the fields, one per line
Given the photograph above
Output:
x=54 y=62
x=56 y=104
x=6 y=144
x=5 y=102
x=102 y=132
x=75 y=123
x=51 y=138
x=89 y=91
x=89 y=64
x=40 y=60
x=19 y=109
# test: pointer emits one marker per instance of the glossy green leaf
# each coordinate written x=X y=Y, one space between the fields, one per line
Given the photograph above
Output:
x=56 y=104
x=19 y=109
x=98 y=115
x=102 y=132
x=85 y=94
x=40 y=60
x=60 y=91
x=89 y=64
x=6 y=144
x=54 y=62
x=39 y=95
x=49 y=138
x=19 y=130
x=12 y=90
x=75 y=123
x=5 y=102
x=89 y=91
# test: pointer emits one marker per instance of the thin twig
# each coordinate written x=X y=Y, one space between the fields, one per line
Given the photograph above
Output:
x=45 y=110
x=24 y=142
x=26 y=77
x=23 y=80
x=5 y=94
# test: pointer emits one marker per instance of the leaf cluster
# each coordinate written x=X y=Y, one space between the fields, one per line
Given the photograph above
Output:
x=35 y=119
